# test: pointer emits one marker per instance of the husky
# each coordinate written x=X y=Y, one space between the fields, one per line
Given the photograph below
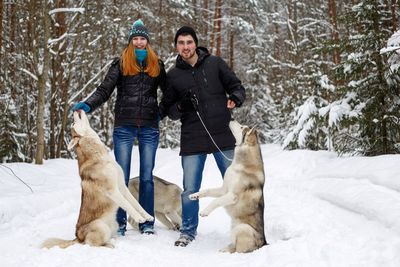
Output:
x=242 y=192
x=167 y=202
x=103 y=190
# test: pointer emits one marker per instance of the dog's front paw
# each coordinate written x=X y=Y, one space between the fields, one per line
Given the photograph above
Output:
x=140 y=220
x=194 y=196
x=176 y=227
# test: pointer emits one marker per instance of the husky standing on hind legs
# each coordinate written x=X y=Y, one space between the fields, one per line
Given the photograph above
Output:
x=103 y=190
x=242 y=192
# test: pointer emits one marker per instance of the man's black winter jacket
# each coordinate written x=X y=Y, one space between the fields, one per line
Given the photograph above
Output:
x=136 y=103
x=210 y=80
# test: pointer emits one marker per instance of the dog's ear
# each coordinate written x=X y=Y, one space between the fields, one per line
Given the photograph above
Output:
x=253 y=131
x=73 y=143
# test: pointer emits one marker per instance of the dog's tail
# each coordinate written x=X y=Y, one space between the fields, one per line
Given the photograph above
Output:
x=53 y=242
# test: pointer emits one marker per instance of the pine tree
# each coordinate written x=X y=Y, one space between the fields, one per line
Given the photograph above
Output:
x=10 y=138
x=370 y=129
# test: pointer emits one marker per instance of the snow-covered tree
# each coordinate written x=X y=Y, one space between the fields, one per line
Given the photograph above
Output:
x=362 y=74
x=11 y=137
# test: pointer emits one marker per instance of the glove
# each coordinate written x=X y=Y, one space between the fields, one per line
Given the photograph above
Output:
x=81 y=105
x=235 y=99
x=188 y=103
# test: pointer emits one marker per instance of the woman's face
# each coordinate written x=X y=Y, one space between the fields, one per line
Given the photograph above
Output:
x=139 y=42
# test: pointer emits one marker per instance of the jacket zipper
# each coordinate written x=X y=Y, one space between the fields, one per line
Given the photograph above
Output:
x=140 y=94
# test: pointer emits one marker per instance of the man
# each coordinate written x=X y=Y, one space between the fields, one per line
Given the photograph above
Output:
x=197 y=88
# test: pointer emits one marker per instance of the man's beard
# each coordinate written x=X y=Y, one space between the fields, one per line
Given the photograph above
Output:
x=189 y=55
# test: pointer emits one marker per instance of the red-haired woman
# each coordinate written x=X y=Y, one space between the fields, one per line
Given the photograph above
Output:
x=137 y=74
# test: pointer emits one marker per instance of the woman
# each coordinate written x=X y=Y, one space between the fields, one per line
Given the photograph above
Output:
x=136 y=74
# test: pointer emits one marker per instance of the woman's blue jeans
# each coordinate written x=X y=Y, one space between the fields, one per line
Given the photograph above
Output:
x=124 y=138
x=193 y=167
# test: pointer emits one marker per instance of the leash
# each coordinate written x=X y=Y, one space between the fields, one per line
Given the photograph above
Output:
x=195 y=102
x=30 y=188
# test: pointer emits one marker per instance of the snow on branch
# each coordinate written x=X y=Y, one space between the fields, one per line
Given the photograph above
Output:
x=29 y=73
x=393 y=43
x=65 y=35
x=305 y=122
x=70 y=9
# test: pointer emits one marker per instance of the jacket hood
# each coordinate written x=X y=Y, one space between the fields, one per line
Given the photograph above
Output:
x=202 y=53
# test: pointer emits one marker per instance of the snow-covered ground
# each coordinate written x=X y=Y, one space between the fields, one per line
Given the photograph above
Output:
x=321 y=210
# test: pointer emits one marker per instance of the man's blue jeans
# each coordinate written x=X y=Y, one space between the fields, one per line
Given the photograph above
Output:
x=124 y=137
x=193 y=166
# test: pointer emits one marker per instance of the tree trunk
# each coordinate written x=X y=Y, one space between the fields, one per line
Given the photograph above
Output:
x=205 y=18
x=42 y=78
x=218 y=6
x=277 y=43
x=57 y=80
x=12 y=42
x=63 y=83
x=161 y=34
x=212 y=34
x=2 y=50
x=394 y=16
x=215 y=40
x=1 y=31
x=53 y=110
x=381 y=132
x=335 y=32
x=195 y=13
x=231 y=38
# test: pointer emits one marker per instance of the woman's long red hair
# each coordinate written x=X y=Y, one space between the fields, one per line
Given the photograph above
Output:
x=130 y=65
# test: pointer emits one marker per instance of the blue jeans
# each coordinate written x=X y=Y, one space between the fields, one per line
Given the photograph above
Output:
x=124 y=137
x=193 y=166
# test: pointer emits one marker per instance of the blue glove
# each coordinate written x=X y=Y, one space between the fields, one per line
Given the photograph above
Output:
x=81 y=105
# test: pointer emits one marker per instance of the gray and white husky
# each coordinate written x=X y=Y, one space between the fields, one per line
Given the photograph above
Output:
x=167 y=202
x=242 y=192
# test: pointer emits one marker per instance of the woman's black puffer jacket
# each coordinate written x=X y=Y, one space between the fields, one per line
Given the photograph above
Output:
x=136 y=103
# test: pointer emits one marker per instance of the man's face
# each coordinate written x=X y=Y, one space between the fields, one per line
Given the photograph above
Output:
x=186 y=46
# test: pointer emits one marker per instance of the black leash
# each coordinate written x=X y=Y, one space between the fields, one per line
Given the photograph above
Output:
x=22 y=181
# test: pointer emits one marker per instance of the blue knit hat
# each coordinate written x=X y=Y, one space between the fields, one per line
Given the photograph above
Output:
x=138 y=29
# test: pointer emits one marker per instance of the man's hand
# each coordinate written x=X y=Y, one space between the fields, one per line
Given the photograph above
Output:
x=233 y=101
x=189 y=103
x=231 y=104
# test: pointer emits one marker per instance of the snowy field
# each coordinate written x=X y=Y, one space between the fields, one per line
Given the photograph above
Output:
x=321 y=210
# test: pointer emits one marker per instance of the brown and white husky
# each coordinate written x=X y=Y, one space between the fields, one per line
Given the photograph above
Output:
x=242 y=192
x=103 y=190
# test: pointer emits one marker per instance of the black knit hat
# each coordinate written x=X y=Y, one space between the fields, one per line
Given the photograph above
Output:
x=138 y=29
x=186 y=30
